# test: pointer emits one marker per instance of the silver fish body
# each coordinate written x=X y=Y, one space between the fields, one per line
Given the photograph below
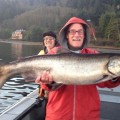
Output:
x=67 y=68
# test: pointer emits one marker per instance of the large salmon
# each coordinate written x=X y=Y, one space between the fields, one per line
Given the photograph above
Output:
x=67 y=68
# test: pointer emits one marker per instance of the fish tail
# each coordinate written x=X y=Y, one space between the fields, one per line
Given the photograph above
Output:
x=3 y=75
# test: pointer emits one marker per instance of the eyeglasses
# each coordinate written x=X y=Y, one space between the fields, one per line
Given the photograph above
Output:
x=48 y=38
x=73 y=32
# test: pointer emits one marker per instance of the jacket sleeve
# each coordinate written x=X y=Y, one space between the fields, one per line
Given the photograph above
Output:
x=110 y=83
x=89 y=51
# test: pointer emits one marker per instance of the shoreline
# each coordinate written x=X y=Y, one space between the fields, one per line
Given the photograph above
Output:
x=104 y=47
x=40 y=43
x=20 y=42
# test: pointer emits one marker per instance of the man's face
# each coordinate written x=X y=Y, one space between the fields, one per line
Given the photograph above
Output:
x=75 y=35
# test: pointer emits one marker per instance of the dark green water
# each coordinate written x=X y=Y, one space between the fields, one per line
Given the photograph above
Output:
x=14 y=88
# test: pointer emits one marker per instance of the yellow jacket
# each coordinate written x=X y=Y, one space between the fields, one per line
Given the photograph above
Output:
x=42 y=52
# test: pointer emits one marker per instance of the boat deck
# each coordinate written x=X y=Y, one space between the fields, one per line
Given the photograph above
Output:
x=19 y=108
x=110 y=107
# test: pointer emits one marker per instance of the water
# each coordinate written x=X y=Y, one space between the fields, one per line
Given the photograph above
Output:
x=15 y=88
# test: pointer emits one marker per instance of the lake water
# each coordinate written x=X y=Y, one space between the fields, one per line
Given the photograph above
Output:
x=15 y=88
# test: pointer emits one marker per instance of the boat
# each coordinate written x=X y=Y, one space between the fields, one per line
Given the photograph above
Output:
x=32 y=107
x=110 y=103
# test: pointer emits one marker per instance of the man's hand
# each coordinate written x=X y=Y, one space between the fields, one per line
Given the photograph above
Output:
x=44 y=78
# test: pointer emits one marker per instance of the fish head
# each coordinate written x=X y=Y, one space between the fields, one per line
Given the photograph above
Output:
x=114 y=66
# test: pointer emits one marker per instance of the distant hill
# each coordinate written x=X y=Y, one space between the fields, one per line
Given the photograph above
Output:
x=12 y=11
x=52 y=14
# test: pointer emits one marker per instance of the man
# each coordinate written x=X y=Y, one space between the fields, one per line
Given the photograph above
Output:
x=73 y=102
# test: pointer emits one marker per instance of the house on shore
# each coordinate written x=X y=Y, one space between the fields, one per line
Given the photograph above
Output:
x=18 y=35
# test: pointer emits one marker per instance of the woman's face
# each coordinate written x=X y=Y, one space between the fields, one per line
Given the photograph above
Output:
x=49 y=42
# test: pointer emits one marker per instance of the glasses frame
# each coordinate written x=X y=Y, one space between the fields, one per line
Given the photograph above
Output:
x=73 y=32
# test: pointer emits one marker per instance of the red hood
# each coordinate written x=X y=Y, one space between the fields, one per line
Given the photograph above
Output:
x=62 y=38
x=75 y=20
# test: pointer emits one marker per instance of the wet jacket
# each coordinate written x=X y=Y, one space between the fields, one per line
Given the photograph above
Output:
x=75 y=102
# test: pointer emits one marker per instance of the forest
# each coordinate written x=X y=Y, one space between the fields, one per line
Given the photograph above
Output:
x=38 y=16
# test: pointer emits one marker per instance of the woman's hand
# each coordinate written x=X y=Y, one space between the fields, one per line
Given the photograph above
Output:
x=45 y=77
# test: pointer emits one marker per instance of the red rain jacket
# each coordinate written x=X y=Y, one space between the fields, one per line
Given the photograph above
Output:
x=75 y=102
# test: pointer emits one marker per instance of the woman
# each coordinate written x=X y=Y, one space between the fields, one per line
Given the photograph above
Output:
x=49 y=42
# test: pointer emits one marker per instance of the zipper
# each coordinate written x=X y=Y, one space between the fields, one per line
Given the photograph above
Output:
x=74 y=102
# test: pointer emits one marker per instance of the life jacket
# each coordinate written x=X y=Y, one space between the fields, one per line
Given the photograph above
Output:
x=42 y=92
x=42 y=52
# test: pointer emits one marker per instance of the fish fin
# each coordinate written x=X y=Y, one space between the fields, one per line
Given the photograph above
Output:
x=29 y=76
x=55 y=86
x=105 y=78
x=4 y=74
x=2 y=80
x=106 y=75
